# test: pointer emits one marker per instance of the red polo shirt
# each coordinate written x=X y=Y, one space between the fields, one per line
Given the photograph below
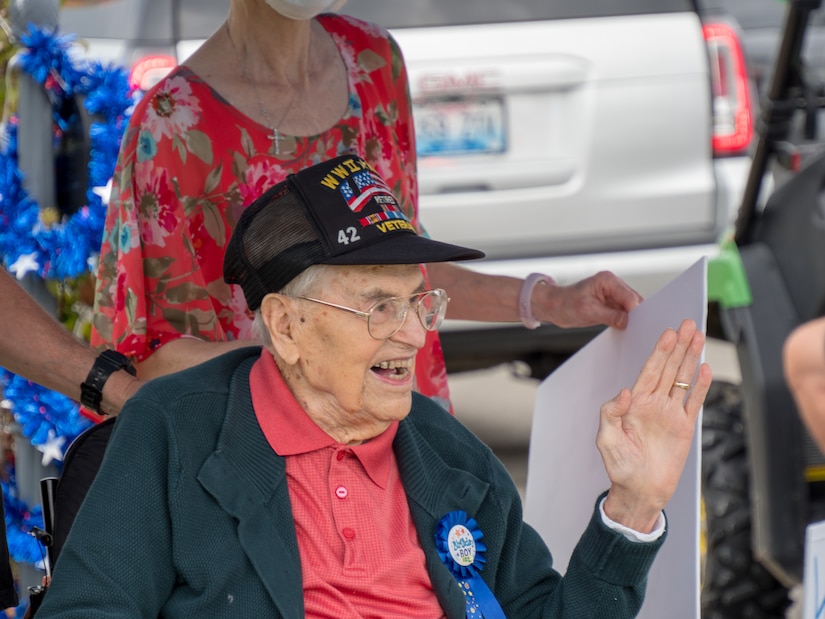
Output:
x=360 y=555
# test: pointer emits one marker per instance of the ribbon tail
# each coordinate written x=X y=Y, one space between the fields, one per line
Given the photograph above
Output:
x=484 y=598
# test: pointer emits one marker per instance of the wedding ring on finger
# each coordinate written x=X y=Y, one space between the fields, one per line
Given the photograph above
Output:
x=681 y=385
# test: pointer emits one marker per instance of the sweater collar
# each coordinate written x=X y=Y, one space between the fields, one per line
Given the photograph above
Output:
x=248 y=480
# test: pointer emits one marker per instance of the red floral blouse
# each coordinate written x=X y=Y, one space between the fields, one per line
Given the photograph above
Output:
x=190 y=163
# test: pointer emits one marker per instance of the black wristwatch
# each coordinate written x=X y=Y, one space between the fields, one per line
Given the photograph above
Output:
x=91 y=391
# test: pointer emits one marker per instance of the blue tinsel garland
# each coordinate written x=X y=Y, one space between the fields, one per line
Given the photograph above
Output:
x=20 y=519
x=61 y=249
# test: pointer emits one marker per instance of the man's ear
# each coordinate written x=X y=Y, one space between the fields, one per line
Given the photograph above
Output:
x=279 y=316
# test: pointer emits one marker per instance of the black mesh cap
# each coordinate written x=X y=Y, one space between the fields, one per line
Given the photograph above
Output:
x=336 y=212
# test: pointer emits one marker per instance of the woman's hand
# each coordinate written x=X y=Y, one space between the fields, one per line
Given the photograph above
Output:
x=602 y=298
x=645 y=433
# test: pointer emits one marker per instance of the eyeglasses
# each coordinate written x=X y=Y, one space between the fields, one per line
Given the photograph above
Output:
x=386 y=317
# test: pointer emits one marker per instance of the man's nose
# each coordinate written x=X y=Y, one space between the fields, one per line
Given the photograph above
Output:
x=412 y=332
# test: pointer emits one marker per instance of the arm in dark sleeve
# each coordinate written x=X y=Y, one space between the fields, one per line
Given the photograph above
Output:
x=606 y=576
x=117 y=558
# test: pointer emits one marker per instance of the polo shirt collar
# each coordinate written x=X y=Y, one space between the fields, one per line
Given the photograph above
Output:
x=290 y=431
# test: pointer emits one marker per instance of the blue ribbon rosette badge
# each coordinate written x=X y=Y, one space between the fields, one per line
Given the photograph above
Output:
x=459 y=546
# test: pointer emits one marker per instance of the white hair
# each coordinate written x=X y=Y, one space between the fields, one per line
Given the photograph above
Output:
x=300 y=286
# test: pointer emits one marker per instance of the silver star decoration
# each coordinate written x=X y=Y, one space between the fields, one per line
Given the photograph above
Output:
x=52 y=449
x=26 y=263
x=105 y=192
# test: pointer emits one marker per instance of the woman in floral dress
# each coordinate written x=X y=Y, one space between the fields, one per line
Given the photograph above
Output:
x=265 y=96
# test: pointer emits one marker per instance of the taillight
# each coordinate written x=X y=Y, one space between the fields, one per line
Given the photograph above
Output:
x=732 y=121
x=149 y=70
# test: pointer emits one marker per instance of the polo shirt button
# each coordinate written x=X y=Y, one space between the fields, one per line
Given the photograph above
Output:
x=340 y=455
x=341 y=492
x=348 y=533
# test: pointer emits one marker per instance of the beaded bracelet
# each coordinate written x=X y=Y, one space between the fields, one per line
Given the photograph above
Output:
x=525 y=298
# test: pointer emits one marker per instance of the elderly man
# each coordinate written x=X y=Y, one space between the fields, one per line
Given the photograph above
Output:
x=307 y=479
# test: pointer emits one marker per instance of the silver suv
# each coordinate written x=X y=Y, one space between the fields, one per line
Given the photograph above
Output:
x=564 y=137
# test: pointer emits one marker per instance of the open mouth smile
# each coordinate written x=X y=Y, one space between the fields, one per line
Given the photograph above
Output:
x=396 y=369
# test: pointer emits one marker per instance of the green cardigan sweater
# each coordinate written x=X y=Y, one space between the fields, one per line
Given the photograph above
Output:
x=190 y=516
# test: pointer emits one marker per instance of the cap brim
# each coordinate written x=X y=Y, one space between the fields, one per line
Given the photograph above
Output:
x=406 y=249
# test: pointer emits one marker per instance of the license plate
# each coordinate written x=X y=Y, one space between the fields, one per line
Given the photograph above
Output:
x=460 y=127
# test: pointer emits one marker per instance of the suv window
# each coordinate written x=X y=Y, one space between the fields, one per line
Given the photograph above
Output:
x=165 y=20
x=755 y=14
x=417 y=13
x=198 y=19
x=128 y=20
x=752 y=14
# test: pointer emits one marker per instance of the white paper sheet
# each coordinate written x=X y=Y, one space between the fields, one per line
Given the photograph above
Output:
x=565 y=470
x=814 y=577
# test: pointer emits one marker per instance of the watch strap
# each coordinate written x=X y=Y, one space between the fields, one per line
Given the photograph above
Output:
x=107 y=362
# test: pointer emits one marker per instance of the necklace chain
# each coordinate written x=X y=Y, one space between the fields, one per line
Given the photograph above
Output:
x=276 y=136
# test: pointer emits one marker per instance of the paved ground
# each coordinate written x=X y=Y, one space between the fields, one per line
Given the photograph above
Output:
x=497 y=405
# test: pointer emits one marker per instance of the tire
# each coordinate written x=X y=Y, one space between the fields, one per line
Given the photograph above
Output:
x=735 y=586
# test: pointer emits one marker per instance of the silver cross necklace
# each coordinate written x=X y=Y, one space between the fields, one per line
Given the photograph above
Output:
x=275 y=136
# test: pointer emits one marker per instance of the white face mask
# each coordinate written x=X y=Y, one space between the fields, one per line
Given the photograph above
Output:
x=304 y=9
